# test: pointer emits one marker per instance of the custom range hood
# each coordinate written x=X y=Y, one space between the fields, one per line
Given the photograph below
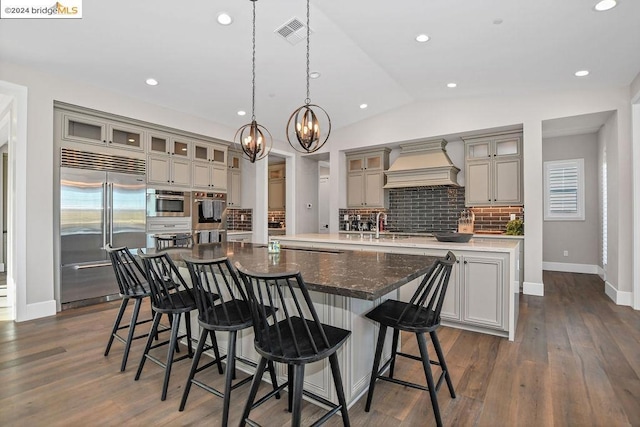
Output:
x=421 y=164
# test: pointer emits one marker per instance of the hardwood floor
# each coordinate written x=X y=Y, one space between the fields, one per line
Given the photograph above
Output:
x=575 y=362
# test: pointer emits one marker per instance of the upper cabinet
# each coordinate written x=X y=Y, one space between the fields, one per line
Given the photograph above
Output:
x=94 y=130
x=234 y=180
x=209 y=166
x=366 y=178
x=277 y=187
x=493 y=170
x=168 y=160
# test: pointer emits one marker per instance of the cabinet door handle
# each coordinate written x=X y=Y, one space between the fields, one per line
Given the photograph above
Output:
x=465 y=261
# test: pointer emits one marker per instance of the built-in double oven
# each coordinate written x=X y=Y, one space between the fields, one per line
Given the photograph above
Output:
x=209 y=216
x=161 y=203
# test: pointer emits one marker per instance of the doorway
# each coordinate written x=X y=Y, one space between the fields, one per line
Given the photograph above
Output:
x=323 y=198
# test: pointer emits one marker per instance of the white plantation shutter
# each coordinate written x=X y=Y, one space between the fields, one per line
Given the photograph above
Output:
x=564 y=190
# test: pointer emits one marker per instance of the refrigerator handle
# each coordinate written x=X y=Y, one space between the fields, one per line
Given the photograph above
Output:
x=104 y=214
x=110 y=210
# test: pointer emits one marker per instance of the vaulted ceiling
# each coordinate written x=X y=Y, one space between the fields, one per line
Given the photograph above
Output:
x=365 y=51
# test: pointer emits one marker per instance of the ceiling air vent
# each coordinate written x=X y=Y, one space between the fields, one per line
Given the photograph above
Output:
x=293 y=31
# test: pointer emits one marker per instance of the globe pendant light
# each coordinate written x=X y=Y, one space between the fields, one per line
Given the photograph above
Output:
x=308 y=123
x=254 y=138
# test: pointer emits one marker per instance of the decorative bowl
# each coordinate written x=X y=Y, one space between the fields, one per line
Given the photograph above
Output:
x=453 y=237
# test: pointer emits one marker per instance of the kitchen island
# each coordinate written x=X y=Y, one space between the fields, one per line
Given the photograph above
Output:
x=484 y=289
x=343 y=284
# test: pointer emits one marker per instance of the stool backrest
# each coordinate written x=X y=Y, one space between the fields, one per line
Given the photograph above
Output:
x=181 y=240
x=281 y=333
x=165 y=281
x=220 y=298
x=426 y=303
x=129 y=274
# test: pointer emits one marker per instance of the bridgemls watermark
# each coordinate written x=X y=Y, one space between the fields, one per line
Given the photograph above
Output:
x=34 y=9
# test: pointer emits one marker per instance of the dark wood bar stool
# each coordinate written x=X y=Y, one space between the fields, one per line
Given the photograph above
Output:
x=170 y=295
x=180 y=240
x=294 y=336
x=420 y=315
x=222 y=306
x=133 y=286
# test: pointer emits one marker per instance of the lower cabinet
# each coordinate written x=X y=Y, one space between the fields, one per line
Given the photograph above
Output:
x=476 y=293
x=240 y=237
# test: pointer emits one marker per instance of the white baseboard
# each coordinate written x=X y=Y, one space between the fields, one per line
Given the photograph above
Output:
x=619 y=297
x=36 y=311
x=532 y=288
x=571 y=268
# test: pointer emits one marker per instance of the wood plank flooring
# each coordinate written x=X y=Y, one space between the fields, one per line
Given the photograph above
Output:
x=575 y=362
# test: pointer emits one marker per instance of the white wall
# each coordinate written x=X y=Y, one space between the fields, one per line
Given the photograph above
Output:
x=579 y=238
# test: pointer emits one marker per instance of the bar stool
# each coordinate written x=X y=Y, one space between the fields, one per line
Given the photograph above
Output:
x=133 y=286
x=421 y=314
x=180 y=240
x=294 y=336
x=170 y=295
x=229 y=312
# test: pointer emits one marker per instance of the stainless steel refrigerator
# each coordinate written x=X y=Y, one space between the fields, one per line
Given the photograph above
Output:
x=97 y=208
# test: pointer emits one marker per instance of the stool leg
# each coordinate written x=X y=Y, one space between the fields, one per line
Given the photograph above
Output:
x=443 y=364
x=194 y=368
x=132 y=328
x=298 y=383
x=116 y=325
x=376 y=366
x=216 y=351
x=422 y=344
x=337 y=380
x=231 y=368
x=255 y=384
x=290 y=375
x=394 y=350
x=274 y=380
x=187 y=321
x=152 y=333
x=173 y=343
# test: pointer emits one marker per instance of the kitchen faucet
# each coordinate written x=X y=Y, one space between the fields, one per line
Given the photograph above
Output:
x=378 y=223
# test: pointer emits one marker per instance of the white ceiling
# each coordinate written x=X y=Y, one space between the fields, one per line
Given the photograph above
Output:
x=365 y=51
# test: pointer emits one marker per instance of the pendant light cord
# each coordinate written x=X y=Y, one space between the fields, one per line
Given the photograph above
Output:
x=308 y=100
x=253 y=66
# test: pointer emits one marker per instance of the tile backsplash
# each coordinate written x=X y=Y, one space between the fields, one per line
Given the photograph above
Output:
x=276 y=216
x=431 y=209
x=235 y=219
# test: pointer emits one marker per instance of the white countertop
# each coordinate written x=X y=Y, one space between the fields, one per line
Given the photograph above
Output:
x=475 y=244
x=232 y=232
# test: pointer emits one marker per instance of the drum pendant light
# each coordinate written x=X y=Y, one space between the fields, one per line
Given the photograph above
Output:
x=309 y=126
x=254 y=138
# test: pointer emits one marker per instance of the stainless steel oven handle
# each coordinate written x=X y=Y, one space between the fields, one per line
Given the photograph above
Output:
x=169 y=197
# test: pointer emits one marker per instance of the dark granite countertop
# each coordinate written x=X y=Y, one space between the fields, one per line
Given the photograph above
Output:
x=358 y=274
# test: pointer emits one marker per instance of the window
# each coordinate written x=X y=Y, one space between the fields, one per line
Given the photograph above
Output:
x=564 y=190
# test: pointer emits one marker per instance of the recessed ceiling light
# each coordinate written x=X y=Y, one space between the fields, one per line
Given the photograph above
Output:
x=314 y=74
x=224 y=18
x=452 y=84
x=363 y=106
x=152 y=82
x=421 y=38
x=582 y=73
x=603 y=5
x=242 y=113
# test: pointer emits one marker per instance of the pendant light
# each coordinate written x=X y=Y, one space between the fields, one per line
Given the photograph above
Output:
x=309 y=126
x=254 y=138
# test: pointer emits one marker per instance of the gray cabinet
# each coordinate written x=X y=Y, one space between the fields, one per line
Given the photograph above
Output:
x=493 y=172
x=366 y=178
x=209 y=168
x=476 y=292
x=168 y=162
x=277 y=187
x=87 y=129
x=234 y=180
